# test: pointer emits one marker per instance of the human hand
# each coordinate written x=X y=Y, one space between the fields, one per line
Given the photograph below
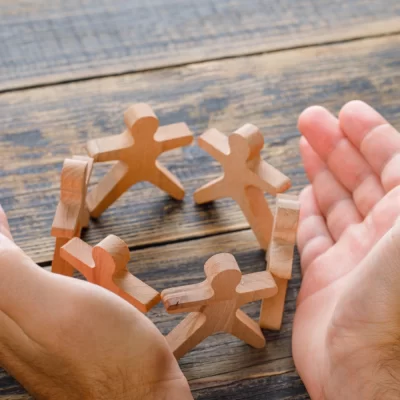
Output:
x=346 y=342
x=63 y=338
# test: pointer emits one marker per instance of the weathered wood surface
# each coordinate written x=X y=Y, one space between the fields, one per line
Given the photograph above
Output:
x=222 y=366
x=45 y=41
x=41 y=127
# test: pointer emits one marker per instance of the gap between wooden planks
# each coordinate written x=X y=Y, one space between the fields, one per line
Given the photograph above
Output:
x=49 y=42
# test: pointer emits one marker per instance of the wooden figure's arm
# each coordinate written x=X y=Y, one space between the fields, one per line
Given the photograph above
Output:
x=79 y=254
x=174 y=136
x=215 y=143
x=268 y=178
x=256 y=286
x=66 y=220
x=280 y=253
x=280 y=259
x=109 y=148
x=186 y=298
x=90 y=162
x=138 y=293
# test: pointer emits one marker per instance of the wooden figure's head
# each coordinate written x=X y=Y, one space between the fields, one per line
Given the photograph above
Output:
x=223 y=275
x=112 y=253
x=246 y=143
x=141 y=120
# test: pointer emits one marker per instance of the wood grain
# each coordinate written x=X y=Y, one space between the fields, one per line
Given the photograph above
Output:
x=214 y=363
x=41 y=127
x=44 y=42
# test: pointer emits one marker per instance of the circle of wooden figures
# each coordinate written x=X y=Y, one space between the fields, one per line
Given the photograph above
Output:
x=214 y=304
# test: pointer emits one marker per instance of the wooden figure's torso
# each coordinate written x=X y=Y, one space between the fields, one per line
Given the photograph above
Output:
x=142 y=155
x=220 y=316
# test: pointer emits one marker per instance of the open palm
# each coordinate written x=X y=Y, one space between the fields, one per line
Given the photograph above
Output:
x=348 y=311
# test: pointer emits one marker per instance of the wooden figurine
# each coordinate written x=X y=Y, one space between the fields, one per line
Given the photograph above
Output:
x=246 y=177
x=71 y=214
x=280 y=259
x=214 y=305
x=136 y=151
x=106 y=266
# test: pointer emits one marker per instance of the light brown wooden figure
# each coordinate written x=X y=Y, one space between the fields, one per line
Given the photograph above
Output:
x=246 y=177
x=71 y=213
x=214 y=305
x=106 y=265
x=280 y=258
x=136 y=151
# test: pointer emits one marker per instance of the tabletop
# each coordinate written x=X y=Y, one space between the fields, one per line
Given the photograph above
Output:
x=68 y=70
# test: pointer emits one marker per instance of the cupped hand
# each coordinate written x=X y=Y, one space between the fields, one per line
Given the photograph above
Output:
x=63 y=338
x=346 y=340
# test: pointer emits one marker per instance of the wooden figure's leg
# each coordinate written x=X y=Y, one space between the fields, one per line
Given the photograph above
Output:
x=272 y=308
x=59 y=265
x=213 y=190
x=258 y=214
x=109 y=189
x=244 y=328
x=166 y=181
x=85 y=219
x=188 y=334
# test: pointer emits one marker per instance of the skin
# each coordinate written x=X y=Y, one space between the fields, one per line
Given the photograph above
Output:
x=346 y=341
x=67 y=339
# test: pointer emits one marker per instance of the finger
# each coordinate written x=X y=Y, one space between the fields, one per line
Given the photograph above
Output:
x=4 y=227
x=344 y=160
x=377 y=140
x=334 y=201
x=313 y=237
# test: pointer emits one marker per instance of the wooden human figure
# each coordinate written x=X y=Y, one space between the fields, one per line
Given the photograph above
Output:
x=136 y=151
x=246 y=177
x=280 y=259
x=214 y=305
x=71 y=214
x=106 y=266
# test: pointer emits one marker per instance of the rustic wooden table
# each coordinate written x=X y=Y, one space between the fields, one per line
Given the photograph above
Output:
x=68 y=70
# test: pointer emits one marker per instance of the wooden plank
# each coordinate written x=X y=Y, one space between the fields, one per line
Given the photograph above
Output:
x=44 y=41
x=276 y=387
x=42 y=127
x=213 y=365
